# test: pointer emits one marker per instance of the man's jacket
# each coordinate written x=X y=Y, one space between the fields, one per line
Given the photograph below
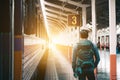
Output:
x=75 y=61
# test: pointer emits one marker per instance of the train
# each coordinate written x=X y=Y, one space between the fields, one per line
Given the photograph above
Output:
x=103 y=38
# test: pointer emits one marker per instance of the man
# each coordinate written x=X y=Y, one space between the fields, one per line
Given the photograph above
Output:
x=85 y=58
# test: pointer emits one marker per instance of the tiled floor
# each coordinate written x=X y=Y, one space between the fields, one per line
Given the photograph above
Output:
x=58 y=68
x=104 y=66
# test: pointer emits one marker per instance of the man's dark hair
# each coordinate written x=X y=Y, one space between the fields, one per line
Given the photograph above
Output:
x=84 y=33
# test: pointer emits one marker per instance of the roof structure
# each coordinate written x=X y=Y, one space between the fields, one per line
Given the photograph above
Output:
x=57 y=12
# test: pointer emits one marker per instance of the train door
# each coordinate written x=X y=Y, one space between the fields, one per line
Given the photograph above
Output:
x=107 y=42
x=98 y=43
x=102 y=42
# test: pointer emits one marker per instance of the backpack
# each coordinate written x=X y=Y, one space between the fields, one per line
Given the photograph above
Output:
x=85 y=55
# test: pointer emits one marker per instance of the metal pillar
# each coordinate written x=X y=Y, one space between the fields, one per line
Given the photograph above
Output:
x=18 y=40
x=93 y=21
x=12 y=36
x=112 y=27
x=84 y=16
x=6 y=41
x=94 y=32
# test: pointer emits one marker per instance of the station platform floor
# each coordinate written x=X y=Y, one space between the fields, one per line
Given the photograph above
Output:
x=57 y=67
x=104 y=65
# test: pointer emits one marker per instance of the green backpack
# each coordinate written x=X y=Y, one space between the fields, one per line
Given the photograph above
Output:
x=85 y=55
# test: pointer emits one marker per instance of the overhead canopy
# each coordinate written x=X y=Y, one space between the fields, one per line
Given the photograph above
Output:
x=57 y=12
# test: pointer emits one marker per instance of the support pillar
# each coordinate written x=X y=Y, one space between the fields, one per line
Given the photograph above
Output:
x=113 y=37
x=84 y=16
x=6 y=41
x=94 y=32
x=93 y=21
x=18 y=40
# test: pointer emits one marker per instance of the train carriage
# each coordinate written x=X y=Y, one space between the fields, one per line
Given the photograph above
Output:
x=103 y=39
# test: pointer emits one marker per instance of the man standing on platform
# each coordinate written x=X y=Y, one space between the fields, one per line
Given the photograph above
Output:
x=85 y=58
